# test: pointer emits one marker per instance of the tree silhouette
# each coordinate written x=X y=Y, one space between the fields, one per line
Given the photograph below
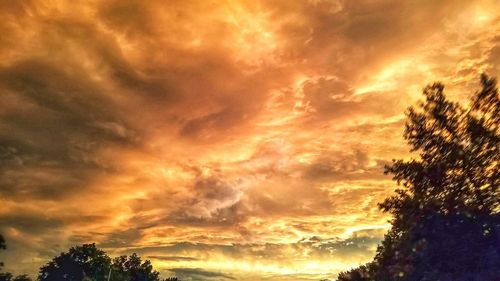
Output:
x=88 y=263
x=459 y=157
x=9 y=277
x=6 y=276
x=131 y=268
x=2 y=247
x=446 y=223
x=358 y=274
x=79 y=262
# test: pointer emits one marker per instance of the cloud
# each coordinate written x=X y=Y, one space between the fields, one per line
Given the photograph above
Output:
x=198 y=274
x=172 y=258
x=271 y=259
x=254 y=130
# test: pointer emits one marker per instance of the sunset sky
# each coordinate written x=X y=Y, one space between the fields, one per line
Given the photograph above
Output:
x=221 y=140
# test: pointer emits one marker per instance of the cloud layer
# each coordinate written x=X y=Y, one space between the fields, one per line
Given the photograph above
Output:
x=221 y=139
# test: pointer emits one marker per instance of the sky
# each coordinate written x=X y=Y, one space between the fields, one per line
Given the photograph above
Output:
x=222 y=140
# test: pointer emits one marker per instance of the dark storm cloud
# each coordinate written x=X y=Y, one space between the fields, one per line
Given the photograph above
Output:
x=209 y=202
x=33 y=223
x=172 y=258
x=317 y=247
x=198 y=274
x=341 y=166
x=122 y=238
x=349 y=38
x=220 y=217
x=334 y=99
x=201 y=127
x=53 y=125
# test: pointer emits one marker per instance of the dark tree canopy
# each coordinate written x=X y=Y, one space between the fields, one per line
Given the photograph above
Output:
x=446 y=222
x=88 y=263
x=79 y=262
x=9 y=277
x=6 y=276
x=131 y=268
x=459 y=157
x=2 y=247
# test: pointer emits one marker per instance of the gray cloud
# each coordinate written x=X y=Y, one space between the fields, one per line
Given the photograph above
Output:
x=198 y=274
x=173 y=258
x=359 y=244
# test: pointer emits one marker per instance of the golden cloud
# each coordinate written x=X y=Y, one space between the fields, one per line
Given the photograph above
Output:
x=223 y=139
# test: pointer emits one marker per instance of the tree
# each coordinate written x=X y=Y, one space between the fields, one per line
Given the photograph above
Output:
x=361 y=273
x=88 y=263
x=79 y=262
x=23 y=277
x=459 y=156
x=131 y=268
x=2 y=247
x=9 y=277
x=446 y=222
x=6 y=276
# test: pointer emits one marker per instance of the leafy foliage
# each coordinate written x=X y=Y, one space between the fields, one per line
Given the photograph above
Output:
x=6 y=276
x=89 y=263
x=9 y=277
x=459 y=157
x=2 y=247
x=79 y=262
x=131 y=268
x=356 y=274
x=446 y=222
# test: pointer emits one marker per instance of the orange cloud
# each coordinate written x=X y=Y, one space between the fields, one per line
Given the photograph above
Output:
x=228 y=139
